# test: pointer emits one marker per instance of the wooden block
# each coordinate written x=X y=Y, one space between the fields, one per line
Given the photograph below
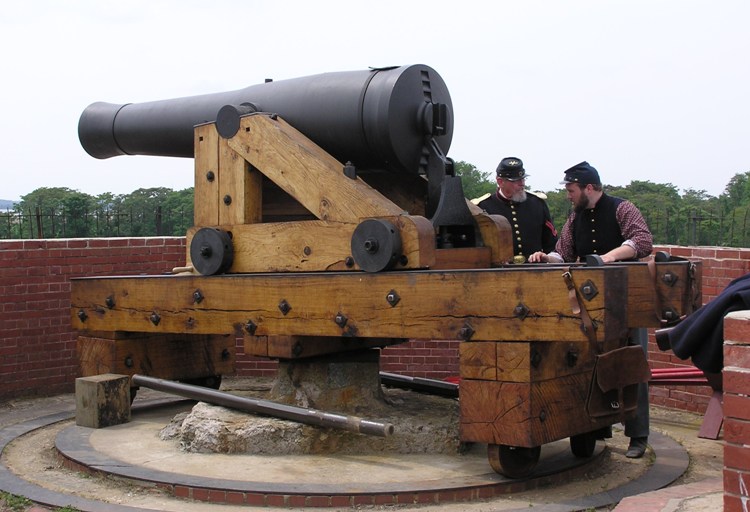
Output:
x=519 y=361
x=167 y=356
x=297 y=347
x=102 y=400
x=478 y=360
x=526 y=414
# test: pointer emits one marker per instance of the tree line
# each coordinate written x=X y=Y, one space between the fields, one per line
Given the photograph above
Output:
x=691 y=218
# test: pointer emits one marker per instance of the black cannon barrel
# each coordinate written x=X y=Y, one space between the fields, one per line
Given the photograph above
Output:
x=377 y=119
x=266 y=407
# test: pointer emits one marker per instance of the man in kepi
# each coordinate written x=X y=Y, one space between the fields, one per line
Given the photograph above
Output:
x=527 y=213
x=615 y=230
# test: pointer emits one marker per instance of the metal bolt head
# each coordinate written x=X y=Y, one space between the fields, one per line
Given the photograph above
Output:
x=155 y=318
x=109 y=302
x=250 y=327
x=340 y=320
x=284 y=307
x=82 y=316
x=392 y=298
x=466 y=332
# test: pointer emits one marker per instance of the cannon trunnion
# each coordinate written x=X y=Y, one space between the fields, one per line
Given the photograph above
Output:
x=304 y=256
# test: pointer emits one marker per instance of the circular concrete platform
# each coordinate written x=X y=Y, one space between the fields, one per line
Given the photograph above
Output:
x=134 y=452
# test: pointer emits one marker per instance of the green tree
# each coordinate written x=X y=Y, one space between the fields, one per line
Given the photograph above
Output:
x=475 y=182
x=737 y=191
x=177 y=212
x=143 y=207
x=659 y=204
x=559 y=207
x=52 y=212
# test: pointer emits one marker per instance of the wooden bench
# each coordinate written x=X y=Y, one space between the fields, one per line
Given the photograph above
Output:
x=692 y=376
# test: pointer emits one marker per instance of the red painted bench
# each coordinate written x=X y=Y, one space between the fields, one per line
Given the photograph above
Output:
x=691 y=376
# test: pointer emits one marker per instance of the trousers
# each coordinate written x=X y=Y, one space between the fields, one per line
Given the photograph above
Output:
x=638 y=426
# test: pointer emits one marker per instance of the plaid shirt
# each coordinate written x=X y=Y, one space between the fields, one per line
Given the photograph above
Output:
x=632 y=226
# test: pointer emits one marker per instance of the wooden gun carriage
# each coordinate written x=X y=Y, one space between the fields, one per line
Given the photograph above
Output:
x=320 y=234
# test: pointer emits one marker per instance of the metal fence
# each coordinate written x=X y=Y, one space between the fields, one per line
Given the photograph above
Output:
x=97 y=224
x=697 y=227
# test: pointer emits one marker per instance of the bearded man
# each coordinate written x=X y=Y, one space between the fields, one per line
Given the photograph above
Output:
x=527 y=212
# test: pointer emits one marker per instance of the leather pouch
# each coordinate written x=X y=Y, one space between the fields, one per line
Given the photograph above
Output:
x=614 y=384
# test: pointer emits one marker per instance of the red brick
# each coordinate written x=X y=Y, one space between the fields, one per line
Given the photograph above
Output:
x=736 y=406
x=273 y=500
x=736 y=431
x=235 y=498
x=341 y=501
x=318 y=501
x=406 y=498
x=736 y=457
x=256 y=499
x=384 y=499
x=737 y=355
x=217 y=496
x=199 y=494
x=733 y=503
x=736 y=380
x=296 y=500
x=731 y=481
x=737 y=327
x=362 y=499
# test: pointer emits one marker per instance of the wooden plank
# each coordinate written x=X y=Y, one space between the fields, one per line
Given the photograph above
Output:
x=297 y=347
x=240 y=188
x=525 y=414
x=206 y=210
x=295 y=164
x=169 y=356
x=478 y=360
x=449 y=305
x=316 y=245
x=496 y=234
x=672 y=282
x=524 y=361
x=464 y=257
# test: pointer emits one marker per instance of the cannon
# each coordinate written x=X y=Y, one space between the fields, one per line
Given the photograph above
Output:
x=397 y=119
x=329 y=222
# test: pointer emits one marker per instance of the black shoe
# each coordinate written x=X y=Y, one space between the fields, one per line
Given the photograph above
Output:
x=637 y=447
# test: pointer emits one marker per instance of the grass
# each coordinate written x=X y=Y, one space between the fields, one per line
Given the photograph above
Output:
x=13 y=503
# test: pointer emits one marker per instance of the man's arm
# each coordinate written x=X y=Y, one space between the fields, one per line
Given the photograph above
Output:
x=563 y=249
x=639 y=242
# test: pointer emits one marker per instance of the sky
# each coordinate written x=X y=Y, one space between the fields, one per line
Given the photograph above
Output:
x=650 y=90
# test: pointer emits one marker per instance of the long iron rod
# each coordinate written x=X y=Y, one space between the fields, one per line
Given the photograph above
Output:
x=284 y=411
x=431 y=386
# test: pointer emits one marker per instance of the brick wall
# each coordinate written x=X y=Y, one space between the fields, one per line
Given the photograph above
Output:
x=37 y=344
x=736 y=376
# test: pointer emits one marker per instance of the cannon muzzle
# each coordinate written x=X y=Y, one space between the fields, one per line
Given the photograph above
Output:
x=377 y=119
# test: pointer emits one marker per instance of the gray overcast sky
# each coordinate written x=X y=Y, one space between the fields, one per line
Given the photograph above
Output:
x=642 y=89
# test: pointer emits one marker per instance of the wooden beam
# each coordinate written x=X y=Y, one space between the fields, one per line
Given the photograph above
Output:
x=488 y=304
x=306 y=172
